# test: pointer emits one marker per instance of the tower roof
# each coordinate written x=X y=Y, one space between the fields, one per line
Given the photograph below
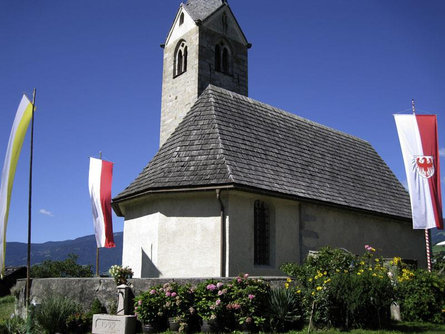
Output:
x=230 y=139
x=201 y=9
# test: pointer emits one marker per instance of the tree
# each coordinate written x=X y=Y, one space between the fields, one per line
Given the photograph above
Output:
x=65 y=268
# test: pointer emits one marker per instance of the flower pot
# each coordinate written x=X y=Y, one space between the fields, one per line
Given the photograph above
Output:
x=173 y=324
x=148 y=328
x=209 y=326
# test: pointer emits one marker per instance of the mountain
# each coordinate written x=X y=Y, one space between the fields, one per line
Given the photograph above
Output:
x=437 y=235
x=83 y=247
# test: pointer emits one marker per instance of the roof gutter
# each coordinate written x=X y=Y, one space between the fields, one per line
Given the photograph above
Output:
x=223 y=234
x=116 y=202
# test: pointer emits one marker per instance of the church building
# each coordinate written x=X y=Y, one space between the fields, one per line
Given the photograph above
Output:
x=239 y=186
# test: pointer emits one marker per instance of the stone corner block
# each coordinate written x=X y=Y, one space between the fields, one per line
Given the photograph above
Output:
x=114 y=324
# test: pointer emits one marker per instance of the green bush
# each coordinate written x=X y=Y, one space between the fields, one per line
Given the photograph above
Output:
x=14 y=325
x=285 y=310
x=343 y=290
x=65 y=268
x=54 y=312
x=422 y=296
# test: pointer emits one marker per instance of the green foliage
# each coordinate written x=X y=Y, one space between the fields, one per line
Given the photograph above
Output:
x=65 y=268
x=422 y=297
x=285 y=309
x=13 y=325
x=150 y=307
x=7 y=304
x=438 y=261
x=54 y=312
x=97 y=307
x=343 y=290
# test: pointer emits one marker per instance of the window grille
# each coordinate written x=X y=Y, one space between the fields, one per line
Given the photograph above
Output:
x=261 y=234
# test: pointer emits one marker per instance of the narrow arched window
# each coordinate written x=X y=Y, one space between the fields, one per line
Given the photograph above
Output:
x=223 y=61
x=261 y=233
x=181 y=19
x=217 y=58
x=180 y=61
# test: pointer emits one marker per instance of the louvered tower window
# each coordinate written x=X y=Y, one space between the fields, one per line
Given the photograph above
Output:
x=261 y=233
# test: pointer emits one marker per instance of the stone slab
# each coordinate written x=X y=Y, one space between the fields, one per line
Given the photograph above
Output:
x=114 y=324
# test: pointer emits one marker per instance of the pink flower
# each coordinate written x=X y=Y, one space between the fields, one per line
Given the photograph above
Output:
x=173 y=294
x=218 y=301
x=246 y=276
x=211 y=287
x=221 y=292
x=168 y=293
x=152 y=292
x=219 y=285
x=249 y=320
x=251 y=296
x=239 y=279
x=139 y=302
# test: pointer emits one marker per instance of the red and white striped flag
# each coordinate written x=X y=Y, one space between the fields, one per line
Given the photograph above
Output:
x=420 y=149
x=101 y=173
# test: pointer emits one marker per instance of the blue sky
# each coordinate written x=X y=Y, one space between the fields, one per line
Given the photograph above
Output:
x=97 y=68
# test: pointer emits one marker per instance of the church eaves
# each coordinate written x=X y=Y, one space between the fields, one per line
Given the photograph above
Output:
x=230 y=139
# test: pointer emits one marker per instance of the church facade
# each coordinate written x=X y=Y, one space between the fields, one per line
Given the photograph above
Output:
x=241 y=186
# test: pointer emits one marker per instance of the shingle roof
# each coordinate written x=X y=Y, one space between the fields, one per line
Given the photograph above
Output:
x=230 y=139
x=201 y=9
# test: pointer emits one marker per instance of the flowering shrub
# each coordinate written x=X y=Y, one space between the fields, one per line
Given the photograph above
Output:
x=344 y=290
x=120 y=274
x=150 y=307
x=421 y=296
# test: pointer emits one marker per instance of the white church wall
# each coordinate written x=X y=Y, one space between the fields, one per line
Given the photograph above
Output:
x=284 y=233
x=173 y=235
x=324 y=225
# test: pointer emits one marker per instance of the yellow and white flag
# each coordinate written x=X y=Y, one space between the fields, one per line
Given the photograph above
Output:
x=16 y=138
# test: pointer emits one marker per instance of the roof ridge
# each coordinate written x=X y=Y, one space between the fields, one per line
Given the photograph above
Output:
x=287 y=113
x=221 y=145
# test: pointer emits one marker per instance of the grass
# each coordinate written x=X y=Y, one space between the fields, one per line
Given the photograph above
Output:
x=397 y=328
x=7 y=304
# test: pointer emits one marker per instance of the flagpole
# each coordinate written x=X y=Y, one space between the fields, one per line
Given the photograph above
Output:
x=427 y=232
x=97 y=249
x=28 y=262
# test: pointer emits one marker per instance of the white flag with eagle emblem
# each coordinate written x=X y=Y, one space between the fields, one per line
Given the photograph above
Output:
x=420 y=149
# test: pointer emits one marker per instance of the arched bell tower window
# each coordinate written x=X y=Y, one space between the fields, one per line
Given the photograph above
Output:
x=181 y=19
x=180 y=63
x=223 y=58
x=261 y=233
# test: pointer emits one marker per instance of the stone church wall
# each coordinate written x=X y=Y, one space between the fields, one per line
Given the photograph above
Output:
x=324 y=225
x=173 y=235
x=180 y=92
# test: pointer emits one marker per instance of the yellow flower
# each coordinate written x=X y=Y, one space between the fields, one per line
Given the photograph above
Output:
x=337 y=270
x=359 y=274
x=298 y=291
x=397 y=260
x=361 y=270
x=288 y=280
x=286 y=285
x=370 y=268
x=319 y=288
x=374 y=274
x=327 y=281
x=362 y=263
x=310 y=279
x=325 y=273
x=345 y=271
x=376 y=260
x=313 y=293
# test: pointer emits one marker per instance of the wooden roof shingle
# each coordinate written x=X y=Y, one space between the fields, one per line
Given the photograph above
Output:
x=230 y=139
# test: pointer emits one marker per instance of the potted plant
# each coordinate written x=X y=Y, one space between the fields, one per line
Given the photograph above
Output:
x=150 y=308
x=120 y=274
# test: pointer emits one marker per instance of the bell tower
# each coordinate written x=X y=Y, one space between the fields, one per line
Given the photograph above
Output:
x=205 y=46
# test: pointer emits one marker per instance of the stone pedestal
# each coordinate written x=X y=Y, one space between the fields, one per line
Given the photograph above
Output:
x=124 y=300
x=114 y=324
